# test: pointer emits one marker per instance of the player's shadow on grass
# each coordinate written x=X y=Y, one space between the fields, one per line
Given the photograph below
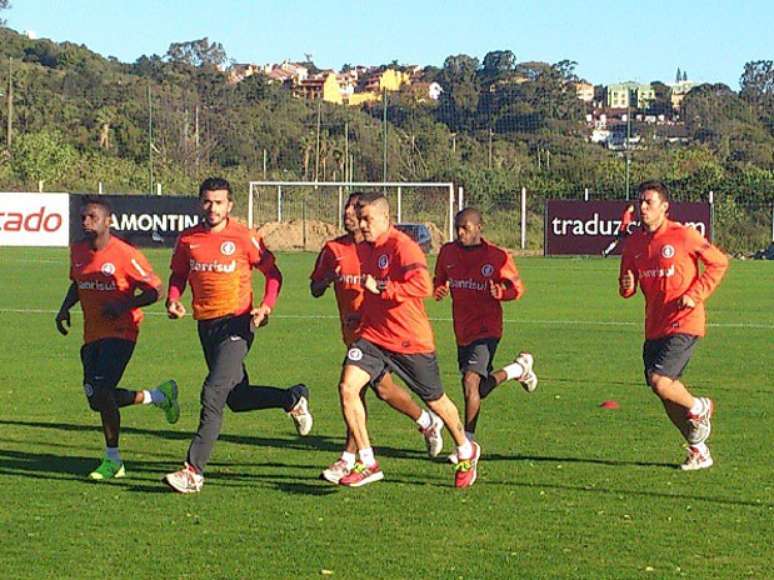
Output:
x=315 y=442
x=592 y=460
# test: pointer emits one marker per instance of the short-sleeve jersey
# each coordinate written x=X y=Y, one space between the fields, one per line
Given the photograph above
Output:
x=396 y=319
x=112 y=274
x=218 y=267
x=342 y=254
x=468 y=270
x=665 y=264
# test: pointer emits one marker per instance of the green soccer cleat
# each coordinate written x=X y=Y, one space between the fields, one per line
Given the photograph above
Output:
x=170 y=406
x=108 y=469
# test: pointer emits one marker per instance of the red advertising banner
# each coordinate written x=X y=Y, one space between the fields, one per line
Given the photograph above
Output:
x=34 y=219
x=576 y=228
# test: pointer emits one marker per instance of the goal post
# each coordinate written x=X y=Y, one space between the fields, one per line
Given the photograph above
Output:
x=420 y=202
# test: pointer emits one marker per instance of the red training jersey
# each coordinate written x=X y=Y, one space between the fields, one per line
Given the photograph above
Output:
x=112 y=274
x=341 y=256
x=395 y=319
x=218 y=267
x=468 y=271
x=665 y=264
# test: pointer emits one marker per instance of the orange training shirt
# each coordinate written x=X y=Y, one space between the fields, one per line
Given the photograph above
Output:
x=111 y=274
x=342 y=253
x=395 y=319
x=218 y=267
x=468 y=271
x=665 y=265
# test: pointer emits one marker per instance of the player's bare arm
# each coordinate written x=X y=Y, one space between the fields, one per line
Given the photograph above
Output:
x=62 y=318
x=260 y=315
x=627 y=285
x=175 y=309
x=441 y=291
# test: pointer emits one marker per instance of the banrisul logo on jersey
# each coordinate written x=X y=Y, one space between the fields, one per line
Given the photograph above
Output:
x=144 y=220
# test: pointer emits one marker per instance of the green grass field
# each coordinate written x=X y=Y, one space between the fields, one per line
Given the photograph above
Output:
x=566 y=489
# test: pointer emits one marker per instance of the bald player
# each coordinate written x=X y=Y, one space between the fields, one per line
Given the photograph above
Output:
x=395 y=336
x=339 y=264
x=480 y=277
x=216 y=258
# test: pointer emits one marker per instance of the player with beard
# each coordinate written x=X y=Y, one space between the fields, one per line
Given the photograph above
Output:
x=112 y=280
x=339 y=264
x=216 y=258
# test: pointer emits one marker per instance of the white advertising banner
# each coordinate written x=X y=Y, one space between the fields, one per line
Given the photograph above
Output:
x=34 y=219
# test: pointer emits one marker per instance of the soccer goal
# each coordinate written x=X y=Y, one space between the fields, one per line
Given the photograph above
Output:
x=410 y=202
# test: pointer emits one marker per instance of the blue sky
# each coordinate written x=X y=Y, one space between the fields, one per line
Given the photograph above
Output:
x=611 y=41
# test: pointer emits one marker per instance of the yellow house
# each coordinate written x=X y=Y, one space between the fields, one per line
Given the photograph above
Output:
x=327 y=88
x=372 y=86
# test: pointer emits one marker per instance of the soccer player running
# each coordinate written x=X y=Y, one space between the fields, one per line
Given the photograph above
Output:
x=623 y=230
x=339 y=264
x=663 y=259
x=216 y=258
x=395 y=336
x=479 y=276
x=112 y=280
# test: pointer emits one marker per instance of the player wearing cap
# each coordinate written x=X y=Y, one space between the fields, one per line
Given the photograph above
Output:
x=662 y=258
x=479 y=276
x=112 y=281
x=216 y=258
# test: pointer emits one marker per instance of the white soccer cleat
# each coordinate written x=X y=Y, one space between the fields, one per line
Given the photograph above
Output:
x=336 y=471
x=187 y=480
x=433 y=435
x=301 y=416
x=697 y=460
x=700 y=425
x=529 y=379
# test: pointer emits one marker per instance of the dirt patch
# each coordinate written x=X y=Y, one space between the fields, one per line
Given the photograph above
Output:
x=298 y=235
x=310 y=237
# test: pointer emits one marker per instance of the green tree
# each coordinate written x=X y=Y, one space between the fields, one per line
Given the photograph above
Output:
x=42 y=156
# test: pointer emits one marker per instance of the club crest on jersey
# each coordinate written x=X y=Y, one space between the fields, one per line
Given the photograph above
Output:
x=487 y=270
x=383 y=261
x=355 y=354
x=227 y=248
x=668 y=251
x=108 y=268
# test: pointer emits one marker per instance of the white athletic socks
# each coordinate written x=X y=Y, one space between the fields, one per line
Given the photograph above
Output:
x=701 y=448
x=153 y=396
x=697 y=408
x=513 y=370
x=425 y=420
x=113 y=454
x=465 y=451
x=349 y=459
x=367 y=456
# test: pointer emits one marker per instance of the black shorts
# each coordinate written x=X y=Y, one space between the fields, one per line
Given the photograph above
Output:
x=477 y=356
x=104 y=362
x=419 y=371
x=668 y=356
